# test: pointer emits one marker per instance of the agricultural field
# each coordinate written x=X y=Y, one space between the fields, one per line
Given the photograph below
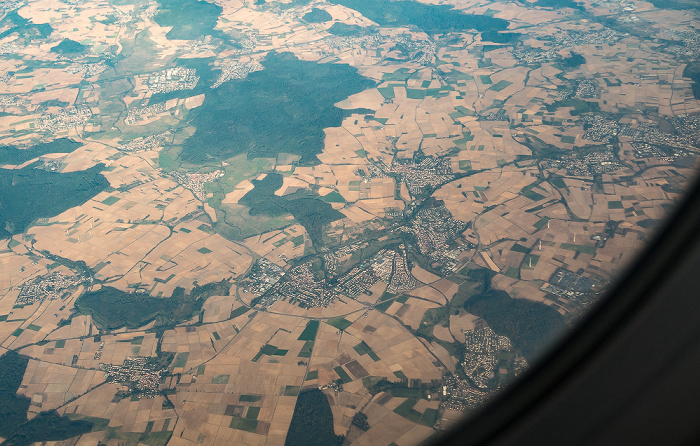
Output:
x=274 y=222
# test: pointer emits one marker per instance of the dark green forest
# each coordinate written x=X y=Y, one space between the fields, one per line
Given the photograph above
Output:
x=114 y=308
x=283 y=108
x=27 y=194
x=14 y=426
x=190 y=19
x=575 y=61
x=430 y=18
x=498 y=37
x=531 y=326
x=312 y=422
x=15 y=23
x=692 y=71
x=676 y=4
x=309 y=211
x=13 y=155
x=68 y=46
x=317 y=15
x=557 y=4
x=345 y=30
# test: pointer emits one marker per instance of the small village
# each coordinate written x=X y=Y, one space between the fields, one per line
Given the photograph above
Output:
x=172 y=79
x=137 y=373
x=68 y=118
x=196 y=181
x=49 y=287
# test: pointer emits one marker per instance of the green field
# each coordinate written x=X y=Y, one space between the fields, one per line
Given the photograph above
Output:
x=400 y=75
x=252 y=413
x=465 y=165
x=238 y=312
x=399 y=374
x=243 y=424
x=517 y=247
x=220 y=379
x=405 y=392
x=305 y=351
x=342 y=374
x=339 y=322
x=387 y=92
x=541 y=223
x=406 y=410
x=586 y=249
x=501 y=85
x=429 y=417
x=334 y=197
x=528 y=192
x=181 y=359
x=363 y=349
x=309 y=333
x=291 y=390
x=530 y=261
x=412 y=93
x=513 y=272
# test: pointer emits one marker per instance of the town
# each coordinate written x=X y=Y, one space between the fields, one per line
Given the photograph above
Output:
x=236 y=70
x=65 y=119
x=481 y=358
x=48 y=287
x=137 y=372
x=133 y=114
x=436 y=232
x=427 y=174
x=172 y=79
x=196 y=181
x=145 y=143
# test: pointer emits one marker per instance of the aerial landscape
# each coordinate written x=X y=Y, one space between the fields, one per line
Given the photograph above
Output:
x=319 y=222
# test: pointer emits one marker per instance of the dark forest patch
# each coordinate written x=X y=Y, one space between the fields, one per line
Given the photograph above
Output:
x=190 y=19
x=13 y=155
x=114 y=308
x=311 y=212
x=531 y=326
x=429 y=18
x=281 y=109
x=317 y=15
x=312 y=422
x=68 y=46
x=27 y=194
x=14 y=426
